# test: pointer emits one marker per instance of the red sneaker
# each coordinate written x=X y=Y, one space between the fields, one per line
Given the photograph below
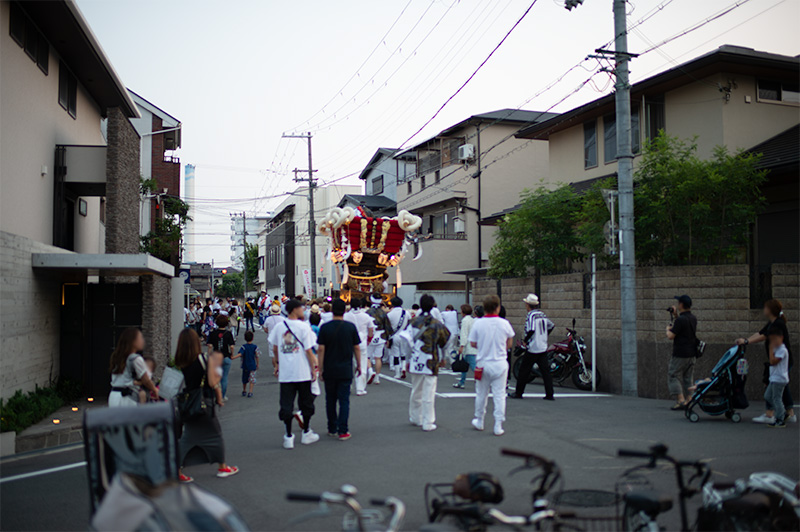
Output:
x=403 y=375
x=345 y=436
x=299 y=417
x=227 y=471
x=185 y=478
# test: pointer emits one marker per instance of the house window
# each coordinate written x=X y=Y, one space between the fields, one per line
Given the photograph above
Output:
x=610 y=135
x=442 y=226
x=590 y=144
x=67 y=89
x=778 y=91
x=654 y=115
x=25 y=33
x=437 y=176
x=422 y=182
x=410 y=188
x=377 y=185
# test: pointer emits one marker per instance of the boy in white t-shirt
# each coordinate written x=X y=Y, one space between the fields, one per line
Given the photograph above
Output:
x=365 y=327
x=492 y=336
x=778 y=375
x=295 y=363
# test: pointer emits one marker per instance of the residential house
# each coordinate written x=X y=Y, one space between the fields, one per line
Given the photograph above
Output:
x=73 y=277
x=160 y=134
x=283 y=246
x=470 y=169
x=379 y=206
x=735 y=97
x=385 y=170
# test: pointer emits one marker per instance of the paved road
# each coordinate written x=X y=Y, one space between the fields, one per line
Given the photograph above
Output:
x=387 y=456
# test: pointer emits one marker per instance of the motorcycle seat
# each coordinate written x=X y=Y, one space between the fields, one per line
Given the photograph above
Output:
x=649 y=502
x=748 y=504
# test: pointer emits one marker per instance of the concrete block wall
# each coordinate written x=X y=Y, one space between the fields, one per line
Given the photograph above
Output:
x=30 y=314
x=721 y=304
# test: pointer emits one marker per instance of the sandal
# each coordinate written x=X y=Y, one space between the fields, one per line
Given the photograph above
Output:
x=678 y=406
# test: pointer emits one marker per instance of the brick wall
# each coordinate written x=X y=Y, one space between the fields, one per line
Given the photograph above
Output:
x=156 y=317
x=122 y=189
x=166 y=173
x=721 y=304
x=30 y=314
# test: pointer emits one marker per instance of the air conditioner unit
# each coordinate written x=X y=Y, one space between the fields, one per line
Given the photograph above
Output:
x=466 y=152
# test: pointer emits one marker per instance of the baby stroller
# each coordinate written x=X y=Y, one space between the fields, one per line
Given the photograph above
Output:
x=132 y=462
x=724 y=391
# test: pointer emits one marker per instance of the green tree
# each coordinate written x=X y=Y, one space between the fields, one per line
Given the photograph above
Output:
x=251 y=263
x=690 y=210
x=592 y=217
x=230 y=285
x=165 y=237
x=540 y=235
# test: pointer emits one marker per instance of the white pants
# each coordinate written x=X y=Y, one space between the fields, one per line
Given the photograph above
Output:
x=421 y=405
x=361 y=380
x=375 y=350
x=494 y=380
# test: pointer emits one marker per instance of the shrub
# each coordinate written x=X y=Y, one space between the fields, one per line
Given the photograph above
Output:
x=22 y=410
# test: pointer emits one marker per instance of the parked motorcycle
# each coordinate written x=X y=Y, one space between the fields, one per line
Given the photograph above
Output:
x=567 y=359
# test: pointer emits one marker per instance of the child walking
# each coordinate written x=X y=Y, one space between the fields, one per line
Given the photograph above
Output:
x=778 y=375
x=250 y=355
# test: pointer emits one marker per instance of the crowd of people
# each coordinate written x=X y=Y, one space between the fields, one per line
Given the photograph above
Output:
x=343 y=345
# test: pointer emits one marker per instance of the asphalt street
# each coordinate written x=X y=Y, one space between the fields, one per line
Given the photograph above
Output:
x=388 y=456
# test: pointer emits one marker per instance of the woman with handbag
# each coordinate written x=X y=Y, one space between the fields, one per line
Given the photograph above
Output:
x=201 y=442
x=466 y=352
x=128 y=368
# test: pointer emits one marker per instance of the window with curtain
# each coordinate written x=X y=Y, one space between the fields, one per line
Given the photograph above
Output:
x=590 y=144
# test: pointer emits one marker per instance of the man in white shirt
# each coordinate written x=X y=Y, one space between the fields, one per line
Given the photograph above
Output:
x=295 y=364
x=537 y=329
x=398 y=319
x=492 y=336
x=366 y=329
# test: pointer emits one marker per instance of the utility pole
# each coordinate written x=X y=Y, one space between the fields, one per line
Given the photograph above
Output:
x=312 y=225
x=244 y=254
x=627 y=254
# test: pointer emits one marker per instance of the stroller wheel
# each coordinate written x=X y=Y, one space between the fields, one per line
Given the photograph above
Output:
x=736 y=417
x=692 y=416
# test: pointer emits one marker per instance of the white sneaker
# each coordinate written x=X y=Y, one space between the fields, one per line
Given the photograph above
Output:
x=361 y=392
x=763 y=418
x=791 y=419
x=477 y=423
x=498 y=428
x=429 y=428
x=288 y=441
x=309 y=437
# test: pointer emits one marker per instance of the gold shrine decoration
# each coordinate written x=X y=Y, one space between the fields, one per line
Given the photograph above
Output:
x=367 y=277
x=364 y=244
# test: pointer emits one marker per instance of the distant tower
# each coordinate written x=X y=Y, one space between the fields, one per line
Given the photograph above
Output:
x=188 y=197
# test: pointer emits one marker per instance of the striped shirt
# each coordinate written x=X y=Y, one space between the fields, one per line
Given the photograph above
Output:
x=537 y=323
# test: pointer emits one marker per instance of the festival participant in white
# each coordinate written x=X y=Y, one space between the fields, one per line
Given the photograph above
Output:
x=492 y=336
x=295 y=364
x=378 y=341
x=422 y=343
x=366 y=329
x=399 y=319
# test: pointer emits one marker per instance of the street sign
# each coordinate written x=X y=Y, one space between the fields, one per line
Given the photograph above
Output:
x=185 y=274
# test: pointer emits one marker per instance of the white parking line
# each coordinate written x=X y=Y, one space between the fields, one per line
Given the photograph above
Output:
x=42 y=472
x=471 y=395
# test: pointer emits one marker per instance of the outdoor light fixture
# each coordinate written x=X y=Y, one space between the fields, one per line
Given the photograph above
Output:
x=74 y=408
x=56 y=421
x=90 y=399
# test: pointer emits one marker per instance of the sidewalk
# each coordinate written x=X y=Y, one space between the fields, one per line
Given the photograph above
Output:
x=46 y=433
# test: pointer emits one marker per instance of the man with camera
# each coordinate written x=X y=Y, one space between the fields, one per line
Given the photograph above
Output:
x=682 y=330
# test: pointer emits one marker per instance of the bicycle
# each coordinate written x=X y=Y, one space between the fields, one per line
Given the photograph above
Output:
x=356 y=517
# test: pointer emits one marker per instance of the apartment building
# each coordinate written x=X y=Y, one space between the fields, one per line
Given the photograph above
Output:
x=733 y=96
x=284 y=249
x=160 y=134
x=466 y=171
x=73 y=276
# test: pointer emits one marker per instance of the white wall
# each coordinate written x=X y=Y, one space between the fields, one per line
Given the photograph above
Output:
x=32 y=124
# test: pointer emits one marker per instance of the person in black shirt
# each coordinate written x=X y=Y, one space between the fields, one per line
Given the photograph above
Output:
x=221 y=339
x=683 y=333
x=338 y=347
x=773 y=311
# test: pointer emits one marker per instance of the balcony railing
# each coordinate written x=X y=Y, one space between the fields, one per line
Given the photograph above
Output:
x=172 y=159
x=447 y=236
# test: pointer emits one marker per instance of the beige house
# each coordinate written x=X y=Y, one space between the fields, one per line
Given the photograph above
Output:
x=69 y=205
x=735 y=97
x=473 y=168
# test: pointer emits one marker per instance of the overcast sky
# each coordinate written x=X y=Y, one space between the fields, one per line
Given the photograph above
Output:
x=365 y=74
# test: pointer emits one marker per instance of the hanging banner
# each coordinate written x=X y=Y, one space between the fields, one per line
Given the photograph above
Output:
x=307 y=282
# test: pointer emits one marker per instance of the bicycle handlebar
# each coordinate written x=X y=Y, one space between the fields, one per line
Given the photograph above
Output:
x=304 y=497
x=626 y=453
x=527 y=456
